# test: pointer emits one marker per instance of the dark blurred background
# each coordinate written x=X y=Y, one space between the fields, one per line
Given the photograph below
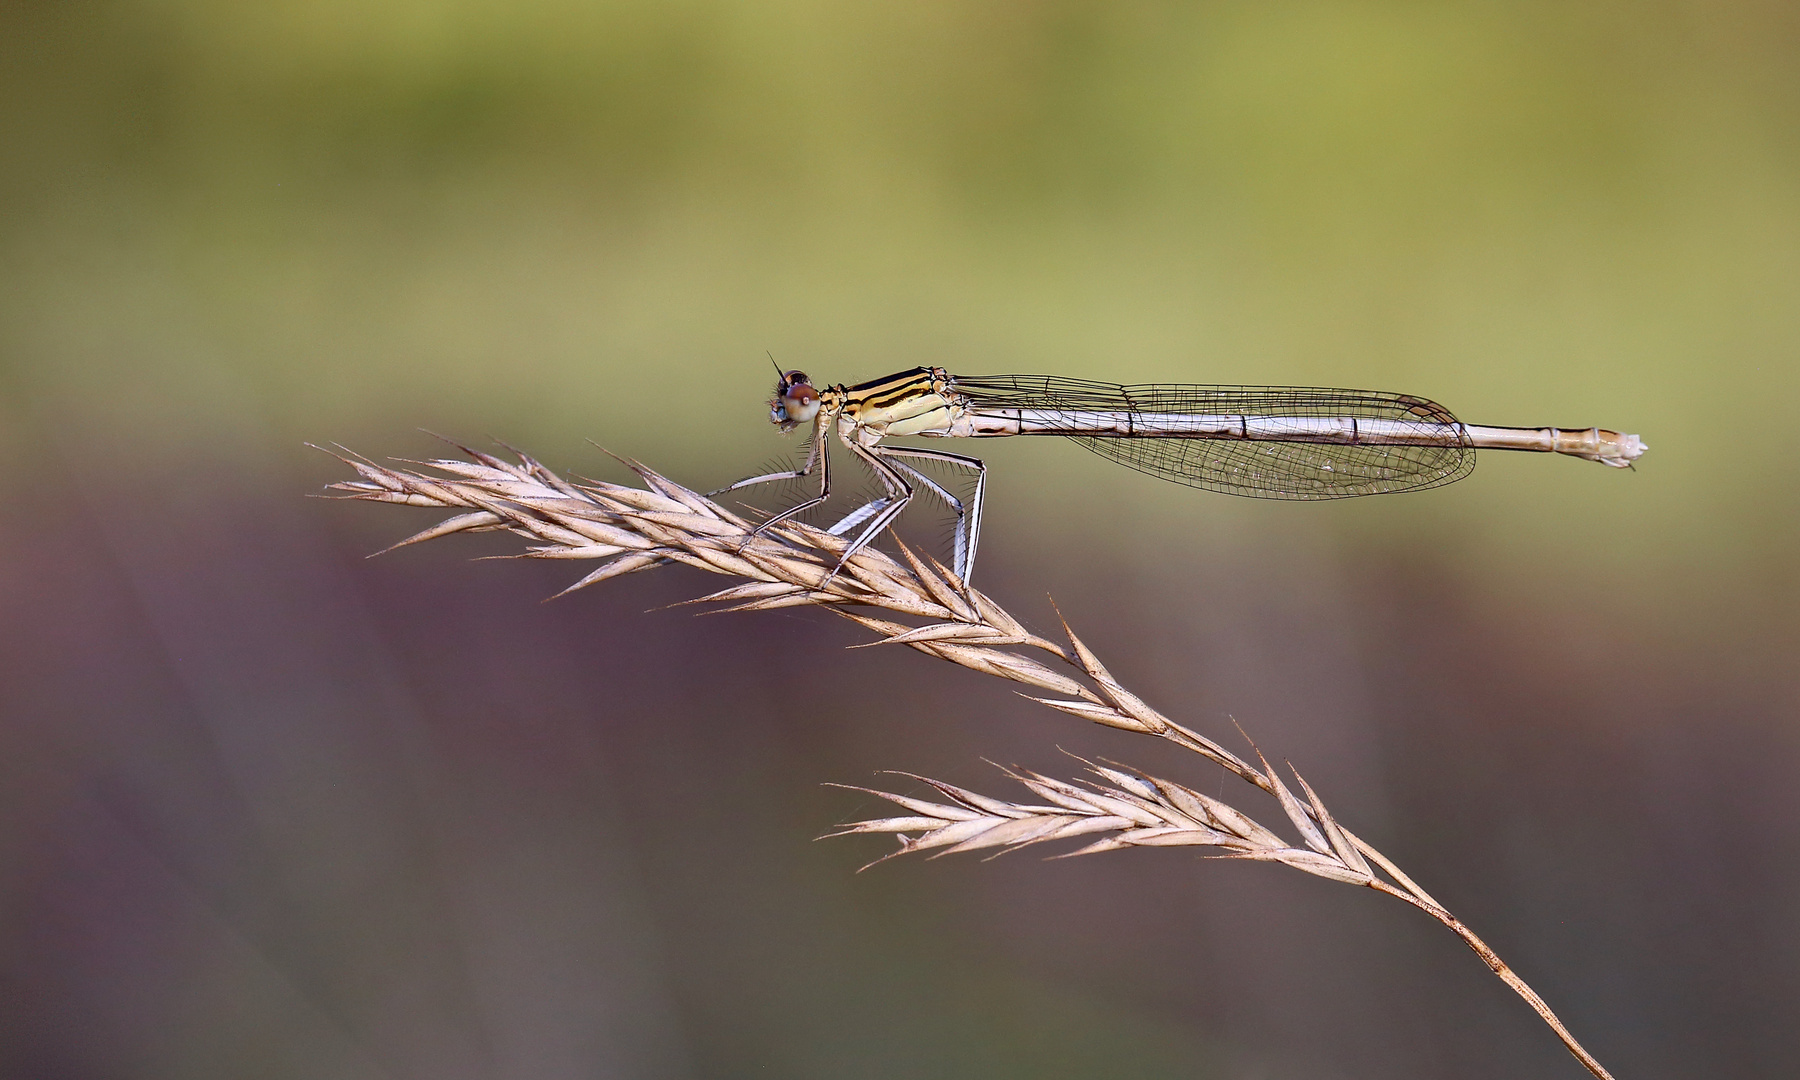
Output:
x=268 y=809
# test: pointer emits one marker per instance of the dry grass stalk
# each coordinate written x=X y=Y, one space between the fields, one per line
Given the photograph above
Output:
x=632 y=529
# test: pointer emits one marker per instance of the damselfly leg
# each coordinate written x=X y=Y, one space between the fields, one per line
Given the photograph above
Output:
x=871 y=518
x=816 y=456
x=968 y=515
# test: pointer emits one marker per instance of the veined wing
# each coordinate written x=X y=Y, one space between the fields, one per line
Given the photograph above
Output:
x=1267 y=466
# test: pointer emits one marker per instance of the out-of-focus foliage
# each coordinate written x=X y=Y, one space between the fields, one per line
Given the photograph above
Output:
x=592 y=219
x=264 y=806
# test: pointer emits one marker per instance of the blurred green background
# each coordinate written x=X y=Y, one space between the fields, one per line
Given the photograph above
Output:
x=266 y=809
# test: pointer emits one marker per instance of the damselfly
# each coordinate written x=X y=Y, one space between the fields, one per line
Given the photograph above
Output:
x=1269 y=442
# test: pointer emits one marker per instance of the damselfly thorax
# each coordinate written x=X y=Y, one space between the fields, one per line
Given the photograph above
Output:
x=1272 y=442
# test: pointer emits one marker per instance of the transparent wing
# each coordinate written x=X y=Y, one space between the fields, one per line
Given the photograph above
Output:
x=1262 y=468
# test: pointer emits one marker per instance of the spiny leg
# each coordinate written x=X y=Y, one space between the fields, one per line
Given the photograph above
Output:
x=819 y=455
x=812 y=457
x=858 y=516
x=968 y=518
x=873 y=506
x=959 y=541
x=861 y=514
x=899 y=493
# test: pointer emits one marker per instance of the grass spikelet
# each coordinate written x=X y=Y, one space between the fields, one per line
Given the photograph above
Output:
x=629 y=529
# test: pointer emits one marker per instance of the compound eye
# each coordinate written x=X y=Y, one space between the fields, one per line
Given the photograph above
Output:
x=802 y=394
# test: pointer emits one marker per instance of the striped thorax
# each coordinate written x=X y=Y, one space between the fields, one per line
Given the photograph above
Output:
x=915 y=402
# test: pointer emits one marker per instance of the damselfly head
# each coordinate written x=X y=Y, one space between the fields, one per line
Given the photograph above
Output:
x=795 y=401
